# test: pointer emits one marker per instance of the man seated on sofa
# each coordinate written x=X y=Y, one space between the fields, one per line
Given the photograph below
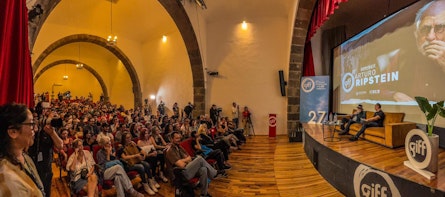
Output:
x=375 y=121
x=353 y=118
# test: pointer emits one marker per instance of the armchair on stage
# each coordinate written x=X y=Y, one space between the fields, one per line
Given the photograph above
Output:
x=391 y=135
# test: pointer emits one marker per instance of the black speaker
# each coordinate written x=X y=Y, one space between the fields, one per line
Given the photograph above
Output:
x=283 y=83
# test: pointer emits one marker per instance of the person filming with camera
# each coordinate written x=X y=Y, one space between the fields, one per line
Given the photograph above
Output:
x=42 y=150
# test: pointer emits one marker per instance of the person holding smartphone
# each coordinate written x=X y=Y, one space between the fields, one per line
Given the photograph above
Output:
x=42 y=150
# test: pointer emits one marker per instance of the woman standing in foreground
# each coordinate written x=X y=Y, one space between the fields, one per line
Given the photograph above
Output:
x=18 y=174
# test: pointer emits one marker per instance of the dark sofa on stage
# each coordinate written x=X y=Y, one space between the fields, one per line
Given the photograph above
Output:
x=393 y=132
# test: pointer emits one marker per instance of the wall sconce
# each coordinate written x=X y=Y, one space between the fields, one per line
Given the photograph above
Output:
x=164 y=39
x=244 y=25
x=152 y=97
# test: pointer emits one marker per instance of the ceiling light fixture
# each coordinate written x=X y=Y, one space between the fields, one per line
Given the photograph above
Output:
x=79 y=65
x=112 y=39
x=65 y=77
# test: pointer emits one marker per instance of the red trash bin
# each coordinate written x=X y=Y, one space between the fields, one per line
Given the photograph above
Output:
x=272 y=125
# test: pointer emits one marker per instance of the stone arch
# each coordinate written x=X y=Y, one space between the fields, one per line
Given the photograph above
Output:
x=74 y=62
x=185 y=27
x=182 y=21
x=178 y=14
x=301 y=24
x=137 y=92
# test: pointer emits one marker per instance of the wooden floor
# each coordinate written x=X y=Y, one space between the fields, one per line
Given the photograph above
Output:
x=264 y=167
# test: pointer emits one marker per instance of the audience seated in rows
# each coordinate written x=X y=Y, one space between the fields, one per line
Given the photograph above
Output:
x=102 y=121
x=208 y=153
x=133 y=158
x=177 y=157
x=114 y=170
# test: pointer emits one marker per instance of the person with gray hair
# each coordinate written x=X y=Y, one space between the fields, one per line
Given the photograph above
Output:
x=423 y=62
x=430 y=34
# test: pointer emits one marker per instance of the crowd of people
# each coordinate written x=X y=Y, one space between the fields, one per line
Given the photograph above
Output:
x=129 y=140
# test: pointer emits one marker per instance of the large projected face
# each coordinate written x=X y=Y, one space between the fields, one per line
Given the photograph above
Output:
x=393 y=61
x=430 y=34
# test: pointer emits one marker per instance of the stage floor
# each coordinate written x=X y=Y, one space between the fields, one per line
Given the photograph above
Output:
x=379 y=157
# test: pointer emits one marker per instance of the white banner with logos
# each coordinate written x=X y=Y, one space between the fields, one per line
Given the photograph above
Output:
x=314 y=99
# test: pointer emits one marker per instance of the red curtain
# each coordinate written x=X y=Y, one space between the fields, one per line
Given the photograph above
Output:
x=322 y=10
x=16 y=83
x=308 y=61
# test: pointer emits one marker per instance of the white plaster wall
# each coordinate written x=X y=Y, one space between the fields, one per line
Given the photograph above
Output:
x=118 y=83
x=166 y=72
x=248 y=62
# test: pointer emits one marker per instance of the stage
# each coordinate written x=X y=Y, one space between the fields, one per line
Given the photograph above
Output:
x=363 y=168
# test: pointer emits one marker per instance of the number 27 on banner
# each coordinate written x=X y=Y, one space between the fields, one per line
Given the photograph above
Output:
x=316 y=119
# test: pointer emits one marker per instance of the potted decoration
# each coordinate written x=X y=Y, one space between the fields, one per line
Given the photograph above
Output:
x=431 y=111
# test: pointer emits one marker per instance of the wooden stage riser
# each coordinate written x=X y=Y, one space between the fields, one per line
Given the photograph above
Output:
x=356 y=179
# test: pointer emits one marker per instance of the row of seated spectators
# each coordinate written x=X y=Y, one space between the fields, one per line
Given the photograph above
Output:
x=133 y=141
